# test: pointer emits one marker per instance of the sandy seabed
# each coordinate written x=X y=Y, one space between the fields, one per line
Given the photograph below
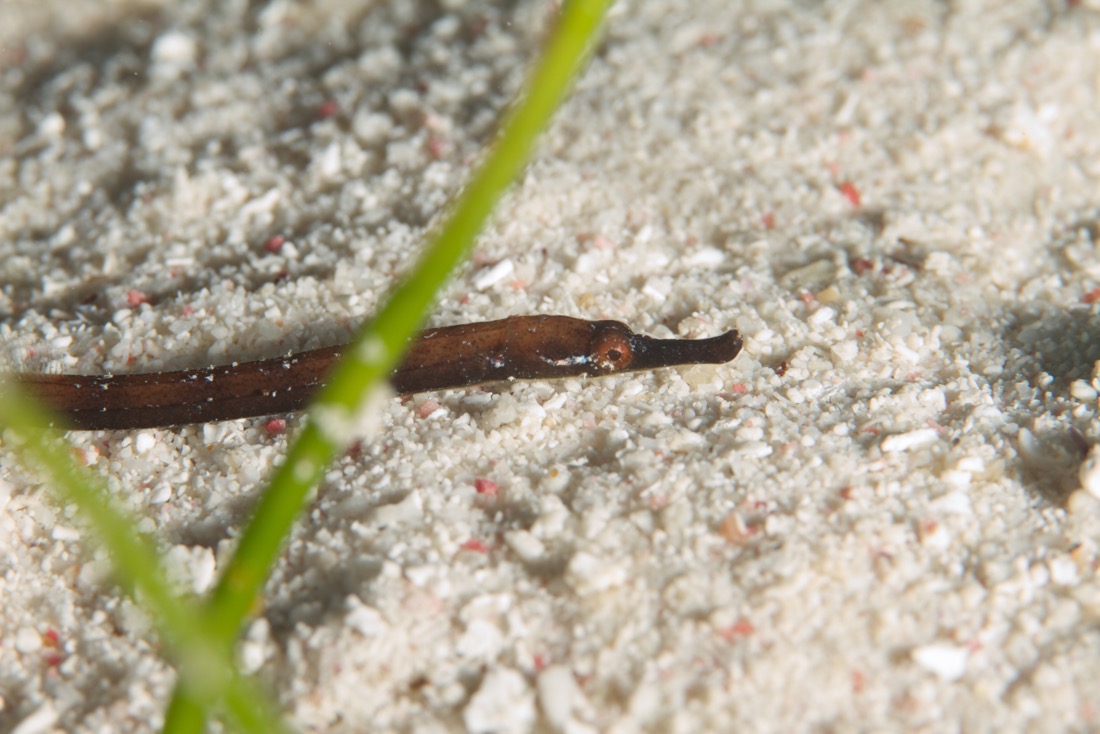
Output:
x=884 y=515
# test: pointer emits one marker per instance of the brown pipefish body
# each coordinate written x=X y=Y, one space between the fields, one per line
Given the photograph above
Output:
x=518 y=347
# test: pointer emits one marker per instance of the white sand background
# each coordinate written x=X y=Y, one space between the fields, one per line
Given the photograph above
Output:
x=880 y=517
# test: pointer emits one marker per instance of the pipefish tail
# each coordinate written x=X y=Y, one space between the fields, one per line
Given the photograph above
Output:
x=518 y=347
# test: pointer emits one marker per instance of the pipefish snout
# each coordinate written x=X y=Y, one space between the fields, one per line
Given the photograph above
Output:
x=517 y=347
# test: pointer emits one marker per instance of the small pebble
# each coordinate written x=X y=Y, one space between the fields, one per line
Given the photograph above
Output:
x=946 y=661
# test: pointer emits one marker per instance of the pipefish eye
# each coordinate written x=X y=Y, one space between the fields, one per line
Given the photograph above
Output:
x=611 y=349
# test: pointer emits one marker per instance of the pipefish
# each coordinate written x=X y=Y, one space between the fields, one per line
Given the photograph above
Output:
x=514 y=348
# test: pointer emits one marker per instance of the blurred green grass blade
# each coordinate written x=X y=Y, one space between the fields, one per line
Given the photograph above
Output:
x=184 y=713
x=205 y=665
x=379 y=346
x=200 y=639
x=382 y=342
